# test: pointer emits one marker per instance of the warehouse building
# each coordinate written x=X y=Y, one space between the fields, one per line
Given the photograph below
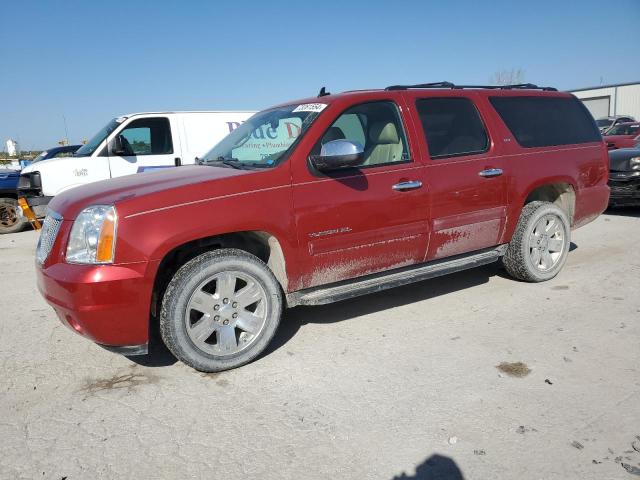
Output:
x=606 y=100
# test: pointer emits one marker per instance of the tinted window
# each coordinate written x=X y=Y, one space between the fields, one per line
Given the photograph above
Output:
x=452 y=127
x=624 y=130
x=377 y=127
x=149 y=136
x=546 y=121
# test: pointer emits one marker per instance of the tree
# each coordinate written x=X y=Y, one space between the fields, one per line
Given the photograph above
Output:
x=507 y=77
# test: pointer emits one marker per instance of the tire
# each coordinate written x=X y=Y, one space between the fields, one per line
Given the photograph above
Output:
x=197 y=321
x=10 y=221
x=542 y=227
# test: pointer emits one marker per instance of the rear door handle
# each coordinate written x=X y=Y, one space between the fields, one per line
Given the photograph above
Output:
x=404 y=186
x=490 y=172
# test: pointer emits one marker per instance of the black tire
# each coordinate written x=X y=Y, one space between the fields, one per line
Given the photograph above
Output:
x=190 y=279
x=10 y=221
x=518 y=259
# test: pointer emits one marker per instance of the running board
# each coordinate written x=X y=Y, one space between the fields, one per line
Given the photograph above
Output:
x=377 y=282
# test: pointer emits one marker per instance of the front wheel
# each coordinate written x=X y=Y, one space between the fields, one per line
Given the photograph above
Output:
x=220 y=310
x=10 y=220
x=539 y=247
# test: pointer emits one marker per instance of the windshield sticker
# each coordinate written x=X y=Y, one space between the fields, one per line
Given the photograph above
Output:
x=310 y=107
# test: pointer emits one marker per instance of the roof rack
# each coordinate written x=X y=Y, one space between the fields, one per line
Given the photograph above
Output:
x=519 y=86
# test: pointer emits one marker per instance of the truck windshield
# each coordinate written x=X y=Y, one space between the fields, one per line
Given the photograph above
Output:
x=88 y=148
x=264 y=139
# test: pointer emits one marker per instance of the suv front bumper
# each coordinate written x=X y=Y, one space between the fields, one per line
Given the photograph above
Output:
x=108 y=304
x=625 y=188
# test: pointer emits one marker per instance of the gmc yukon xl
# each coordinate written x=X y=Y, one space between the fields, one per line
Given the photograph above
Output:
x=317 y=201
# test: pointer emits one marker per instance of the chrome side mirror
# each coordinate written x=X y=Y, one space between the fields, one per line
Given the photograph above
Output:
x=337 y=155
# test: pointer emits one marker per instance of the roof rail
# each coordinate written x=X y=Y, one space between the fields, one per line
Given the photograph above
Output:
x=422 y=85
x=519 y=86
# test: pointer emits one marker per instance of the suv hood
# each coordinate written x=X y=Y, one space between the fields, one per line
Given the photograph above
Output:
x=619 y=160
x=148 y=190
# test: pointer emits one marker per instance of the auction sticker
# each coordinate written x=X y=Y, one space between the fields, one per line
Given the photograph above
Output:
x=310 y=107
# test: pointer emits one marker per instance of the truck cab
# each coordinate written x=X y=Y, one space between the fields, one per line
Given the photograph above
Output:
x=126 y=145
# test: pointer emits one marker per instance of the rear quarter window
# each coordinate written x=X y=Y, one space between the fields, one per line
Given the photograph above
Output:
x=546 y=121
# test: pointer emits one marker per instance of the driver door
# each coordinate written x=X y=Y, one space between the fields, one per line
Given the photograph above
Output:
x=149 y=145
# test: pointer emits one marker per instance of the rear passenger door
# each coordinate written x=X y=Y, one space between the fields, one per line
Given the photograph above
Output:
x=465 y=175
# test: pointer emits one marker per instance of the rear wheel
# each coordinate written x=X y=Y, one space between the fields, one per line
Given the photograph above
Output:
x=539 y=247
x=220 y=310
x=10 y=220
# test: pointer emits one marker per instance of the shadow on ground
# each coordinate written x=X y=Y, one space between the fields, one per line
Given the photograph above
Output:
x=624 y=211
x=295 y=318
x=436 y=467
x=158 y=356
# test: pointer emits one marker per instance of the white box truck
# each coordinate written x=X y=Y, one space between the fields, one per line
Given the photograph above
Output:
x=126 y=145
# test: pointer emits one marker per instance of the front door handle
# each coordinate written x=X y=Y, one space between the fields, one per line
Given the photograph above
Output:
x=404 y=186
x=490 y=172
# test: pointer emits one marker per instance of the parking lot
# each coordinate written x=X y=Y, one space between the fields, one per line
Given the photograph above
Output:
x=401 y=384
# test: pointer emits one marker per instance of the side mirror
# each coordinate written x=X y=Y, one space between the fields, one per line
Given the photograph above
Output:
x=120 y=147
x=338 y=155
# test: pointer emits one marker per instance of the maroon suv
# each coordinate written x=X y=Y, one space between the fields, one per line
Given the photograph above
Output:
x=320 y=200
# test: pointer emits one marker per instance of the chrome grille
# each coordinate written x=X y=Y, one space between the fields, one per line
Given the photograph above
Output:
x=48 y=235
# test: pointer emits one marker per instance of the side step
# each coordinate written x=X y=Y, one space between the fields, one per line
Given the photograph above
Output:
x=377 y=282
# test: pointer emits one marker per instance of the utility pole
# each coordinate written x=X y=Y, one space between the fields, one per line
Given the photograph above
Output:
x=66 y=133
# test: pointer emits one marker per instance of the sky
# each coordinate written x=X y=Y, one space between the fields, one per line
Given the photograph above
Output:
x=89 y=61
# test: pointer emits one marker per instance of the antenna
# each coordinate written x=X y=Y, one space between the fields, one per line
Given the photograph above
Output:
x=323 y=92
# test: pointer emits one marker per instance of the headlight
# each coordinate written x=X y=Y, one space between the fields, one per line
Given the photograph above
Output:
x=635 y=163
x=93 y=236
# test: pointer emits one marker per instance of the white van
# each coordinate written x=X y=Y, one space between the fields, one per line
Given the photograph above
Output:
x=126 y=145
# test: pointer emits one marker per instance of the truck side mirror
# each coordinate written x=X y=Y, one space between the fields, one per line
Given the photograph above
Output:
x=338 y=155
x=120 y=147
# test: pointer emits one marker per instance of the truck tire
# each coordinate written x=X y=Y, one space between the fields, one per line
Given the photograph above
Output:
x=10 y=221
x=220 y=310
x=540 y=244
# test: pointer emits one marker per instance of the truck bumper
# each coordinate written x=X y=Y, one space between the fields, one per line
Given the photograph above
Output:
x=108 y=304
x=625 y=188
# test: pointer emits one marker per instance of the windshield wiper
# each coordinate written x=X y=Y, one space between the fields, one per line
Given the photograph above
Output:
x=239 y=165
x=229 y=162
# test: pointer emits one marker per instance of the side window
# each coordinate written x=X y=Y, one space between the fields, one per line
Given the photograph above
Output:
x=545 y=121
x=149 y=136
x=452 y=127
x=63 y=154
x=377 y=127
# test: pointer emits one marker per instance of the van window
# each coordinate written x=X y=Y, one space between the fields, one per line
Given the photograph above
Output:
x=376 y=126
x=452 y=127
x=546 y=121
x=149 y=136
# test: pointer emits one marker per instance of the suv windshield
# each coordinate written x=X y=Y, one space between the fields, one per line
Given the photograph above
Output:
x=264 y=139
x=88 y=148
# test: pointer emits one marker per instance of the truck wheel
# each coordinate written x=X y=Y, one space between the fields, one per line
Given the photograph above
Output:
x=10 y=221
x=220 y=310
x=539 y=246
